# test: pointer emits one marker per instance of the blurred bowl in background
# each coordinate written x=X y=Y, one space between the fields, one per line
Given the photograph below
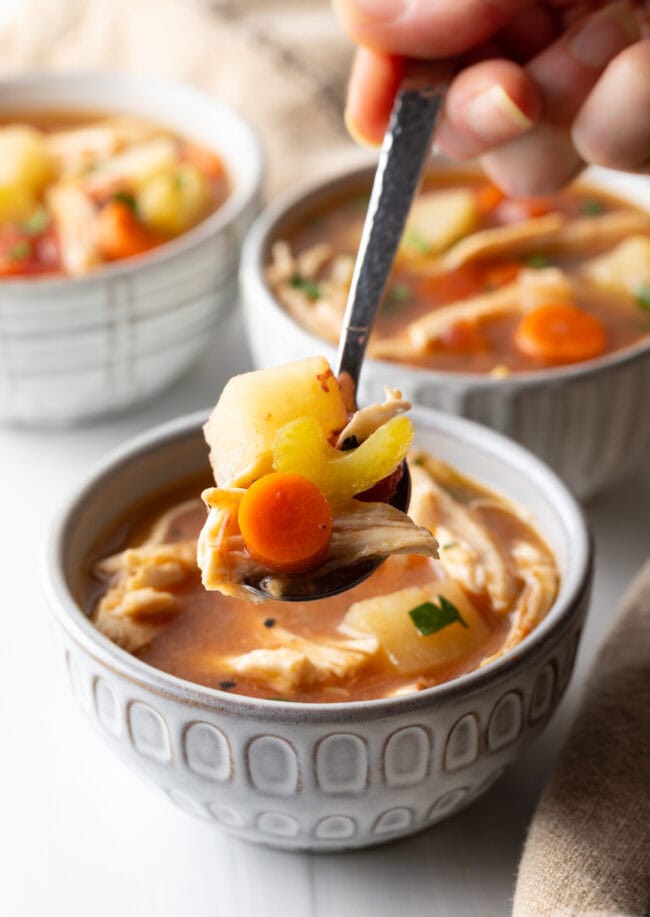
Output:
x=588 y=421
x=72 y=349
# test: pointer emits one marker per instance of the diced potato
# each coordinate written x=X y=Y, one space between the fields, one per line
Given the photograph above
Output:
x=172 y=202
x=254 y=406
x=302 y=447
x=438 y=219
x=24 y=160
x=16 y=203
x=411 y=653
x=625 y=269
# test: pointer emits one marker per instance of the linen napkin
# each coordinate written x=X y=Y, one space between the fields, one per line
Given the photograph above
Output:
x=282 y=63
x=588 y=847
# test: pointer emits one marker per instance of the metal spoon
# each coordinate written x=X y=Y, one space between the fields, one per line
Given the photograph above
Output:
x=403 y=157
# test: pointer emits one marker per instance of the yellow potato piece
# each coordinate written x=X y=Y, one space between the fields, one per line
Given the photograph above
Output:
x=16 y=203
x=302 y=447
x=438 y=219
x=24 y=160
x=411 y=653
x=254 y=406
x=172 y=202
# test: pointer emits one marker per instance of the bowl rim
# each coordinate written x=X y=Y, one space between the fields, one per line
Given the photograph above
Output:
x=574 y=587
x=255 y=288
x=239 y=199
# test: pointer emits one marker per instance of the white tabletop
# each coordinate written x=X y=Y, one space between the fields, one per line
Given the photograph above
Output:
x=81 y=836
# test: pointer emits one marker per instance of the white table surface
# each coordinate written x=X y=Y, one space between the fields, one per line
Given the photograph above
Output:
x=80 y=836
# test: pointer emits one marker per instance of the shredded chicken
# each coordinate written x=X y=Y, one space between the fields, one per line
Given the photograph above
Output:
x=499 y=241
x=360 y=531
x=469 y=554
x=74 y=216
x=366 y=420
x=134 y=164
x=74 y=149
x=141 y=599
x=296 y=663
x=540 y=587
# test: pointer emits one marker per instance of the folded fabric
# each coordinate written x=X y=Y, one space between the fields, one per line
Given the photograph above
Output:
x=282 y=63
x=588 y=847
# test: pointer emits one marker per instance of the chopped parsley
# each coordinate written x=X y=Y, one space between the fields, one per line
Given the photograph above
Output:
x=350 y=442
x=360 y=204
x=269 y=622
x=20 y=251
x=418 y=461
x=308 y=287
x=124 y=197
x=396 y=295
x=284 y=700
x=643 y=297
x=227 y=685
x=415 y=240
x=538 y=261
x=36 y=222
x=591 y=207
x=449 y=546
x=429 y=618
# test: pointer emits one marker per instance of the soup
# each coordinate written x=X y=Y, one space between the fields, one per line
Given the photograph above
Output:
x=80 y=190
x=416 y=622
x=481 y=283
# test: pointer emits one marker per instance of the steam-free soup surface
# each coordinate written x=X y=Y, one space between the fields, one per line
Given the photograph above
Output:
x=459 y=294
x=354 y=647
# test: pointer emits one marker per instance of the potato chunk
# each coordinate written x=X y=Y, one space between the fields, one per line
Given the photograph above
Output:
x=438 y=219
x=171 y=202
x=254 y=406
x=411 y=653
x=24 y=160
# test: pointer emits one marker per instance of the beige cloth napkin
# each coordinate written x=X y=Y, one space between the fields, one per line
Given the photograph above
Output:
x=588 y=847
x=282 y=63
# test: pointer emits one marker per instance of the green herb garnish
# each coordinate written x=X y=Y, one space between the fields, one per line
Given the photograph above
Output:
x=591 y=207
x=125 y=197
x=20 y=251
x=419 y=461
x=449 y=546
x=538 y=261
x=284 y=700
x=360 y=203
x=396 y=296
x=308 y=287
x=429 y=618
x=36 y=222
x=643 y=297
x=415 y=240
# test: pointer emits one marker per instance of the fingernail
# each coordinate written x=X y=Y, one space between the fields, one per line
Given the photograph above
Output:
x=493 y=113
x=605 y=34
x=372 y=12
x=356 y=134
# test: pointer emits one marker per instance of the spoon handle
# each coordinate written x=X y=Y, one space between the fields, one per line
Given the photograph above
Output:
x=403 y=156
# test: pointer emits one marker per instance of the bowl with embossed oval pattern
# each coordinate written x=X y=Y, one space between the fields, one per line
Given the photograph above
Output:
x=320 y=776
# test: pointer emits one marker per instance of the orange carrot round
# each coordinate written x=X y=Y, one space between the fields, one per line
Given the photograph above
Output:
x=286 y=522
x=560 y=333
x=488 y=197
x=119 y=234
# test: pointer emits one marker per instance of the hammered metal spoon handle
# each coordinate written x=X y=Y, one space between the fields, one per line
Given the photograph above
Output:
x=404 y=155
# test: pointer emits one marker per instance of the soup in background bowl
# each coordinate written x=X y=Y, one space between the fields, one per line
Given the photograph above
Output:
x=327 y=773
x=535 y=322
x=115 y=326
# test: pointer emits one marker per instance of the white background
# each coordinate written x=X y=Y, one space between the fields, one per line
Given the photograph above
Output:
x=80 y=836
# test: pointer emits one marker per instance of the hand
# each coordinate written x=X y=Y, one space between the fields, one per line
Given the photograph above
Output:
x=545 y=86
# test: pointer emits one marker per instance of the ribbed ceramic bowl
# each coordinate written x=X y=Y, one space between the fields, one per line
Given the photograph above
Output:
x=320 y=776
x=588 y=421
x=73 y=349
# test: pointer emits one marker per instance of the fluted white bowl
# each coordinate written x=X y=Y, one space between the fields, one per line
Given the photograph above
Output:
x=320 y=776
x=75 y=348
x=588 y=421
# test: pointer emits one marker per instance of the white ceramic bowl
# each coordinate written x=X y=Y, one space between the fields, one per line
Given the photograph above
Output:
x=73 y=349
x=320 y=776
x=588 y=421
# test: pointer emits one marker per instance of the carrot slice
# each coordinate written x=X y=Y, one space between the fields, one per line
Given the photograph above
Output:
x=488 y=198
x=560 y=333
x=501 y=273
x=119 y=234
x=286 y=522
x=445 y=288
